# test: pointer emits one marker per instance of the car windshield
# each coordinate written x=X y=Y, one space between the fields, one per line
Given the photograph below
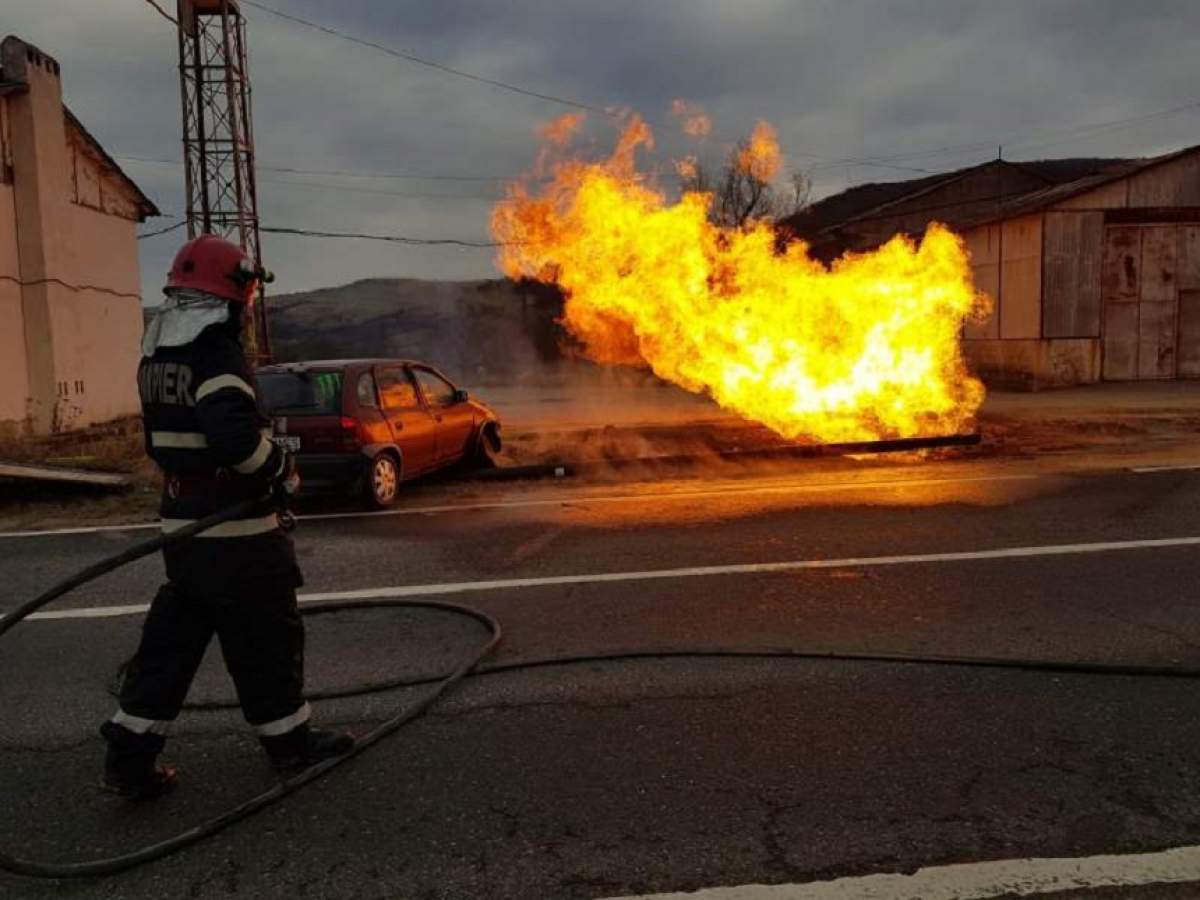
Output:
x=302 y=393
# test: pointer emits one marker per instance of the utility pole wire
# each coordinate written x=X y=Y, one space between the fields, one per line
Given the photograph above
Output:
x=390 y=238
x=400 y=54
x=167 y=230
x=162 y=12
x=333 y=173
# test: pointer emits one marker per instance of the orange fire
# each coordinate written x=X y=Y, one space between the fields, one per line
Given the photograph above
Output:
x=696 y=122
x=761 y=157
x=867 y=348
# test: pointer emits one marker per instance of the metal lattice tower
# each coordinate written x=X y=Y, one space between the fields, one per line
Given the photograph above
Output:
x=218 y=139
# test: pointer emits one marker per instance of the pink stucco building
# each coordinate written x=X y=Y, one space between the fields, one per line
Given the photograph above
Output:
x=70 y=313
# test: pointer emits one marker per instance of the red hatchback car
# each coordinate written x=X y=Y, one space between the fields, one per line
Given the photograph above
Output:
x=366 y=425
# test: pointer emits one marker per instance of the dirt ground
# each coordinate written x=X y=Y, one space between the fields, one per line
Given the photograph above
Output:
x=615 y=420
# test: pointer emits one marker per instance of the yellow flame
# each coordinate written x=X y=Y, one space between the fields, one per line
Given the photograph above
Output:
x=867 y=348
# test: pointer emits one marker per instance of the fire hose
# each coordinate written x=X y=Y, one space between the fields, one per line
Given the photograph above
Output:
x=282 y=788
x=440 y=684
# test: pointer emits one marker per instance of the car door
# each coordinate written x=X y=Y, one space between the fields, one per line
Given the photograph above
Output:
x=413 y=426
x=455 y=418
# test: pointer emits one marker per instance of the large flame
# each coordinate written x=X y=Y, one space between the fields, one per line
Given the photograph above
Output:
x=867 y=348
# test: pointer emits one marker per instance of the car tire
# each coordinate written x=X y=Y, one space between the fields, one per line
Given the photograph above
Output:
x=382 y=485
x=486 y=447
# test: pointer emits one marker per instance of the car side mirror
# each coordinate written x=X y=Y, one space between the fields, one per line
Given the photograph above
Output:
x=461 y=396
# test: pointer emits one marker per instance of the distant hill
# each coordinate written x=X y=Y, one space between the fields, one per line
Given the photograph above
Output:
x=477 y=331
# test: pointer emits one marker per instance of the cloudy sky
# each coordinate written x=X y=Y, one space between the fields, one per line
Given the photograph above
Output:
x=928 y=84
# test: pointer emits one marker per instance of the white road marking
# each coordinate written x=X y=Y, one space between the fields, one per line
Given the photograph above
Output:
x=803 y=488
x=1145 y=470
x=974 y=881
x=466 y=587
x=90 y=529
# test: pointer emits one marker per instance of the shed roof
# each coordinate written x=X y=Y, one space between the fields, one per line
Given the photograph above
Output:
x=1055 y=194
x=1060 y=178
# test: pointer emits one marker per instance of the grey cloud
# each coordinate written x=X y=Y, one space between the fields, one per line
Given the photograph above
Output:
x=837 y=77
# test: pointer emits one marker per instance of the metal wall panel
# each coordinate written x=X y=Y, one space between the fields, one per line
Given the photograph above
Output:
x=1158 y=301
x=1160 y=254
x=1114 y=195
x=1189 y=258
x=1119 y=287
x=983 y=244
x=1147 y=332
x=1021 y=277
x=1176 y=183
x=1189 y=334
x=1071 y=294
x=1156 y=340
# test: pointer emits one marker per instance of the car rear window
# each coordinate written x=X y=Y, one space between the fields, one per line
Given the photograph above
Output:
x=302 y=393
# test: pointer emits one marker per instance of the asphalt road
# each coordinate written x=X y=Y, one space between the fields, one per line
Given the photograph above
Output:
x=618 y=778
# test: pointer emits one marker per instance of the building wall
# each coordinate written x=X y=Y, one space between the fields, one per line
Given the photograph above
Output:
x=1105 y=284
x=1007 y=348
x=74 y=222
x=1034 y=364
x=1006 y=261
x=1073 y=246
x=13 y=376
x=1139 y=245
x=97 y=337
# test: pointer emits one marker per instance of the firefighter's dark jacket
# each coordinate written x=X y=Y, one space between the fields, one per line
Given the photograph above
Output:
x=205 y=430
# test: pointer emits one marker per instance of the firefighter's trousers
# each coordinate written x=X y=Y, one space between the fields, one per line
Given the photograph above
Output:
x=262 y=640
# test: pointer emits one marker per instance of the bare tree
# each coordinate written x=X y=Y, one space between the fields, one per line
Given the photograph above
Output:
x=743 y=193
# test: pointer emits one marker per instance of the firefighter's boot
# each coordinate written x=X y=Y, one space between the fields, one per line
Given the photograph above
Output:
x=304 y=746
x=130 y=769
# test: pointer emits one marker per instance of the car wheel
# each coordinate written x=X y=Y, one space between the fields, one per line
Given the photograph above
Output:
x=486 y=448
x=383 y=481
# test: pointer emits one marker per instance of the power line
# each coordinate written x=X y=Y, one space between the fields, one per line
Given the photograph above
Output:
x=167 y=230
x=377 y=192
x=306 y=232
x=882 y=161
x=162 y=12
x=400 y=54
x=1084 y=130
x=409 y=175
x=552 y=98
x=389 y=238
x=333 y=173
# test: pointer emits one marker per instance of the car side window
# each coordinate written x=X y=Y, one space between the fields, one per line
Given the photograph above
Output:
x=366 y=390
x=438 y=391
x=397 y=390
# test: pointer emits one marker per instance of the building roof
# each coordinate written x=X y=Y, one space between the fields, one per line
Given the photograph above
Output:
x=1058 y=179
x=16 y=54
x=145 y=205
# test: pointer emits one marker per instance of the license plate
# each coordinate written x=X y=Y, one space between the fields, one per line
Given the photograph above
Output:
x=288 y=442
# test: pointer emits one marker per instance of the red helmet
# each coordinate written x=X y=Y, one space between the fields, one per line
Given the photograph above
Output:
x=214 y=265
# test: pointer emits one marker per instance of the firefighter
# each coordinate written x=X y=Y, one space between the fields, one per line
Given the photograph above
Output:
x=206 y=432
